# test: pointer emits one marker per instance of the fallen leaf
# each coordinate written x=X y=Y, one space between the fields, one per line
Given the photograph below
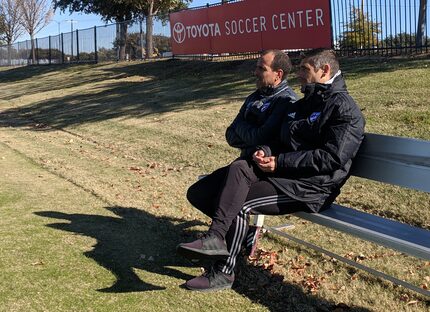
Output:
x=349 y=255
x=360 y=257
x=404 y=297
x=138 y=169
x=273 y=258
x=38 y=263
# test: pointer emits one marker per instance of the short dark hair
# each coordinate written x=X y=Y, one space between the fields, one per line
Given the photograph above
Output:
x=280 y=61
x=319 y=57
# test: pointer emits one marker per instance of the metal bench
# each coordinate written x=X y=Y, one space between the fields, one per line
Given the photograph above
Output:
x=399 y=161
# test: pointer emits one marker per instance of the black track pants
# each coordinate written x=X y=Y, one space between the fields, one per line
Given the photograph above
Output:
x=230 y=194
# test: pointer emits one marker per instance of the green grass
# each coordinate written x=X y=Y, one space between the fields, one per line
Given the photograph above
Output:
x=95 y=162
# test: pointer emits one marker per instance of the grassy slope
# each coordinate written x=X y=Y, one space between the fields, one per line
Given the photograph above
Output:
x=95 y=162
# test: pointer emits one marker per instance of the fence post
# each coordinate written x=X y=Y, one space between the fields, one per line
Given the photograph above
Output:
x=77 y=45
x=62 y=48
x=49 y=54
x=96 y=54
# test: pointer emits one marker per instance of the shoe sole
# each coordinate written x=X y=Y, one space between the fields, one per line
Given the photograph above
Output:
x=198 y=254
x=209 y=289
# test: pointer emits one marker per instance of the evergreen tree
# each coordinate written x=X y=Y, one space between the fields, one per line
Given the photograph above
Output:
x=361 y=32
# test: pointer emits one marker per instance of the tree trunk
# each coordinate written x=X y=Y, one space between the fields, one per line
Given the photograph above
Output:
x=121 y=40
x=9 y=54
x=149 y=41
x=421 y=23
x=33 y=50
x=149 y=30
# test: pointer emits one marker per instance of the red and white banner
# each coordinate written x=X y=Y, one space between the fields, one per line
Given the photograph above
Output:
x=251 y=26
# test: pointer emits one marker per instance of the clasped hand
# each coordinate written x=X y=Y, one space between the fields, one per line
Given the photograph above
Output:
x=266 y=164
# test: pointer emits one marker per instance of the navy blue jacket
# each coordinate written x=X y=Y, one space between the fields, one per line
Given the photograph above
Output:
x=260 y=118
x=319 y=137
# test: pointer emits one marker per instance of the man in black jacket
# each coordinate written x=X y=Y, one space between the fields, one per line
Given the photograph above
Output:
x=260 y=117
x=303 y=170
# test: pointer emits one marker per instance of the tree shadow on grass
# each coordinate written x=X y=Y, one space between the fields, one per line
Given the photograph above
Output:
x=125 y=99
x=16 y=74
x=50 y=78
x=165 y=86
x=135 y=239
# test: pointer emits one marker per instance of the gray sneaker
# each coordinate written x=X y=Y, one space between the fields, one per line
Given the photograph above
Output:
x=207 y=247
x=212 y=280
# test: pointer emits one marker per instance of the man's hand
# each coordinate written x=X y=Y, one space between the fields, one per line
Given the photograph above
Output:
x=266 y=164
x=258 y=156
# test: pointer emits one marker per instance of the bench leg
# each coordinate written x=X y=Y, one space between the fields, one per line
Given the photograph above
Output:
x=254 y=234
x=258 y=220
x=256 y=230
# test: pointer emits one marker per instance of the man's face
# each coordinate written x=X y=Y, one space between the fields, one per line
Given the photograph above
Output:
x=308 y=74
x=266 y=77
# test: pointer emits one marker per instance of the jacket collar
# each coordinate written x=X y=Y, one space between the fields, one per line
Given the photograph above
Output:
x=271 y=91
x=337 y=85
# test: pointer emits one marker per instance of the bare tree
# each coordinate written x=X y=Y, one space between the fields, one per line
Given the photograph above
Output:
x=11 y=13
x=36 y=14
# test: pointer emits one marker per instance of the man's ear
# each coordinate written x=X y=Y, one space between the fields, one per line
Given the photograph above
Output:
x=326 y=71
x=280 y=73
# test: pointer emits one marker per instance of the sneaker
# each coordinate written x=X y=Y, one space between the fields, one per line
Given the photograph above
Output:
x=251 y=241
x=207 y=247
x=212 y=280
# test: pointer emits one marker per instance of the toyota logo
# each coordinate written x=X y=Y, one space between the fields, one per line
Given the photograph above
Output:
x=179 y=32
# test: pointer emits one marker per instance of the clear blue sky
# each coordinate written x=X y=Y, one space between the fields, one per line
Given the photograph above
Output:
x=62 y=21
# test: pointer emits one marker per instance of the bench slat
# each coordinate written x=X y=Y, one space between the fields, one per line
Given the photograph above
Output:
x=393 y=234
x=395 y=160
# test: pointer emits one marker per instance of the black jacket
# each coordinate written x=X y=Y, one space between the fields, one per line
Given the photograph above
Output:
x=260 y=118
x=319 y=137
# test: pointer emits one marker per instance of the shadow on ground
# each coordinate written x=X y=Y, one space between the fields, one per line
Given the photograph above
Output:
x=135 y=239
x=165 y=86
x=271 y=291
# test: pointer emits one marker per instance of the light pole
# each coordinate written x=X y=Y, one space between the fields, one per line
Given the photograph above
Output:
x=71 y=21
x=59 y=32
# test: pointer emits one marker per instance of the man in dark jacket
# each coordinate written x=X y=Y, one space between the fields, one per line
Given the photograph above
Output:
x=260 y=117
x=303 y=171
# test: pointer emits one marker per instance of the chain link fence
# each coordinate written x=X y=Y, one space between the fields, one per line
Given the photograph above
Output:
x=114 y=42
